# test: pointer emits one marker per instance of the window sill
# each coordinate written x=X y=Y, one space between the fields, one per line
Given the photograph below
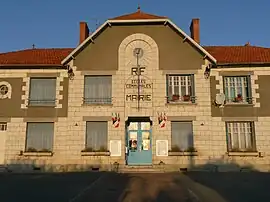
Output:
x=183 y=153
x=238 y=104
x=240 y=153
x=180 y=103
x=95 y=153
x=97 y=104
x=37 y=153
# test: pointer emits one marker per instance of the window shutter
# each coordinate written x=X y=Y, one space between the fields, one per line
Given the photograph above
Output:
x=192 y=78
x=228 y=138
x=249 y=89
x=167 y=87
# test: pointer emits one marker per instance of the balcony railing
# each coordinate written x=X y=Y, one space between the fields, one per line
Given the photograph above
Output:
x=97 y=100
x=42 y=102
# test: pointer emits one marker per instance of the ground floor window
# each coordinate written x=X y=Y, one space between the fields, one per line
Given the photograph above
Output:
x=240 y=136
x=39 y=137
x=182 y=136
x=96 y=136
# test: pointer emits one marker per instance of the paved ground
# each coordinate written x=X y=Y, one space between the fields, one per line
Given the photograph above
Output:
x=232 y=186
x=112 y=187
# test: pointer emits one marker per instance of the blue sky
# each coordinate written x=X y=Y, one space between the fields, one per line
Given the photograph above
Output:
x=55 y=23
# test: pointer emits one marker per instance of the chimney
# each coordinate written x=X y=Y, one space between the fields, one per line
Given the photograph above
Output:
x=195 y=30
x=84 y=31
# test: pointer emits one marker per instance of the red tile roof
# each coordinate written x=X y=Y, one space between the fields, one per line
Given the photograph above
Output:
x=239 y=54
x=223 y=54
x=52 y=56
x=139 y=15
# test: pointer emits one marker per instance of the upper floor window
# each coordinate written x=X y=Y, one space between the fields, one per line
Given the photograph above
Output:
x=98 y=89
x=240 y=136
x=237 y=89
x=42 y=92
x=180 y=88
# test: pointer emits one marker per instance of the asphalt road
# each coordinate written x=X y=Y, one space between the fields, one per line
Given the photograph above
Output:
x=148 y=187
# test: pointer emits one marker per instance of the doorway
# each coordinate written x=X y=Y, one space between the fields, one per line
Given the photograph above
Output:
x=2 y=147
x=139 y=141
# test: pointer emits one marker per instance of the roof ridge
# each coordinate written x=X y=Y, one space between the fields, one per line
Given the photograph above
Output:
x=139 y=14
x=32 y=49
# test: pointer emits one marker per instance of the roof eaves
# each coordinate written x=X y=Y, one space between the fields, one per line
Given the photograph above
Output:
x=244 y=64
x=30 y=66
x=193 y=42
x=68 y=58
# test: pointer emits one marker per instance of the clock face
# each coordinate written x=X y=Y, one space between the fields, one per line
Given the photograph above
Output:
x=138 y=52
x=138 y=49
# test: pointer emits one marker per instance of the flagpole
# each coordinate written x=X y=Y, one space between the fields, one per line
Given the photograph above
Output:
x=138 y=73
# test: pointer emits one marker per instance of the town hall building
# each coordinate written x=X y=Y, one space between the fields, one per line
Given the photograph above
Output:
x=138 y=91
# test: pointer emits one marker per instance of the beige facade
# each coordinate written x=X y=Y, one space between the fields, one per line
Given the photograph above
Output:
x=70 y=113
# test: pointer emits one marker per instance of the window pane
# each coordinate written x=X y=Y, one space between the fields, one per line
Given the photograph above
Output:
x=235 y=137
x=236 y=88
x=182 y=135
x=145 y=125
x=170 y=92
x=98 y=89
x=133 y=126
x=183 y=90
x=96 y=136
x=39 y=136
x=42 y=91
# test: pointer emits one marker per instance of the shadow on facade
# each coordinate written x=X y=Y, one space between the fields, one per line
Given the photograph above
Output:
x=38 y=165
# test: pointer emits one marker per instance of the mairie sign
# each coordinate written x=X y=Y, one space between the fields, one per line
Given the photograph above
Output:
x=138 y=89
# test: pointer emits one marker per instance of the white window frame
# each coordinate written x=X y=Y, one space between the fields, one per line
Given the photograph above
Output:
x=239 y=128
x=180 y=81
x=233 y=82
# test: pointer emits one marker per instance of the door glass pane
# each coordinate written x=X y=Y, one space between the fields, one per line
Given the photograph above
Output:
x=133 y=139
x=145 y=140
x=133 y=126
x=145 y=126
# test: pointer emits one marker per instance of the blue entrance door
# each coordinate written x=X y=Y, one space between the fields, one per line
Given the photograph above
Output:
x=139 y=143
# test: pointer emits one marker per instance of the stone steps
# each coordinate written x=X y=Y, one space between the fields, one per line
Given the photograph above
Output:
x=141 y=169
